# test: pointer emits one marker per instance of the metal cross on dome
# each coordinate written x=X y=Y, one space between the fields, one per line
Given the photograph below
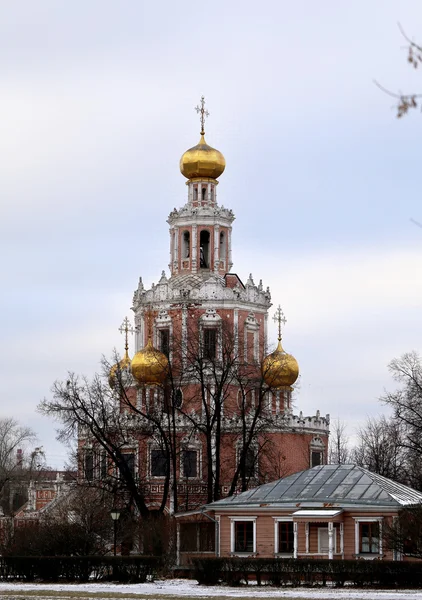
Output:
x=126 y=328
x=279 y=318
x=204 y=113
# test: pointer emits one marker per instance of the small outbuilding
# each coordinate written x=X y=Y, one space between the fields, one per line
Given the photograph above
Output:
x=329 y=511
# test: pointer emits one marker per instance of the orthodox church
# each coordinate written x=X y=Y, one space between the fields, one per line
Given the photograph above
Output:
x=211 y=407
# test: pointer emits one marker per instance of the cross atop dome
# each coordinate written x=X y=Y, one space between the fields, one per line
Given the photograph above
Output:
x=204 y=113
x=126 y=328
x=279 y=318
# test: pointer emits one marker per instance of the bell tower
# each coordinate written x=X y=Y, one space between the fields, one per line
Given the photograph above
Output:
x=200 y=232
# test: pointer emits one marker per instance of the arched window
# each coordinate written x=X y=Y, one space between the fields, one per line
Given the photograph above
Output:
x=186 y=244
x=222 y=246
x=204 y=192
x=204 y=249
x=195 y=193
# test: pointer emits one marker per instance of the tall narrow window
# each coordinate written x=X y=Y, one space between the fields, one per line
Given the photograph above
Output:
x=204 y=246
x=103 y=465
x=186 y=244
x=204 y=192
x=316 y=458
x=165 y=341
x=222 y=246
x=129 y=459
x=243 y=541
x=285 y=537
x=89 y=465
x=158 y=463
x=250 y=460
x=190 y=463
x=210 y=343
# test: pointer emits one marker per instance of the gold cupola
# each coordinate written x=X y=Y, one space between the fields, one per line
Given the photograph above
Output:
x=121 y=366
x=150 y=366
x=124 y=364
x=202 y=161
x=280 y=369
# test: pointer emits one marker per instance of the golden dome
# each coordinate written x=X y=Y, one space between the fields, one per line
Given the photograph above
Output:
x=202 y=161
x=150 y=366
x=120 y=366
x=280 y=369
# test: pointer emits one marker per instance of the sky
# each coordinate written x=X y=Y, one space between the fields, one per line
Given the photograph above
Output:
x=97 y=106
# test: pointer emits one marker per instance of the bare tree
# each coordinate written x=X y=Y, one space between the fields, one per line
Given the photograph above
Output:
x=406 y=102
x=338 y=450
x=380 y=448
x=404 y=533
x=15 y=468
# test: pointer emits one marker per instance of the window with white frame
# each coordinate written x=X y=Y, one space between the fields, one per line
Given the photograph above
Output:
x=284 y=536
x=243 y=535
x=368 y=535
x=316 y=450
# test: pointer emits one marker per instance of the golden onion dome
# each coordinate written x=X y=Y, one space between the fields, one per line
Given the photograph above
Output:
x=120 y=366
x=202 y=161
x=280 y=369
x=150 y=366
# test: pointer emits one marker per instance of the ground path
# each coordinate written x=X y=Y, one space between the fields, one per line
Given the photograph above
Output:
x=190 y=590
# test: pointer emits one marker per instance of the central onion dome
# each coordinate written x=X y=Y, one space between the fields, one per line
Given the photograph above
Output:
x=280 y=369
x=202 y=161
x=121 y=366
x=150 y=366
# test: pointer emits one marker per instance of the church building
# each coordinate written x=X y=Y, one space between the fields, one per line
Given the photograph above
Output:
x=208 y=407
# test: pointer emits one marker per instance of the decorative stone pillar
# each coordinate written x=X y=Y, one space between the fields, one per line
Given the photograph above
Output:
x=307 y=537
x=194 y=248
x=330 y=541
x=216 y=248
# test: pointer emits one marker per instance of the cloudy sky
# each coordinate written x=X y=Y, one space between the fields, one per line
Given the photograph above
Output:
x=96 y=109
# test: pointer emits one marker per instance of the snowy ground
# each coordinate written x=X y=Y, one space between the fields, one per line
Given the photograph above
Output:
x=190 y=589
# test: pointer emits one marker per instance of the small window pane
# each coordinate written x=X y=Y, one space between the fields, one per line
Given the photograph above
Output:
x=158 y=463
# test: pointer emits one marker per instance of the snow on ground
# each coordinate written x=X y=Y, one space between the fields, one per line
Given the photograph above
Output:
x=184 y=588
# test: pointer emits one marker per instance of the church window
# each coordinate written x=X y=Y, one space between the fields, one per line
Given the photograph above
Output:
x=89 y=465
x=204 y=245
x=204 y=192
x=222 y=246
x=158 y=463
x=210 y=343
x=195 y=193
x=250 y=463
x=186 y=244
x=316 y=458
x=129 y=459
x=177 y=398
x=165 y=341
x=103 y=465
x=190 y=463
